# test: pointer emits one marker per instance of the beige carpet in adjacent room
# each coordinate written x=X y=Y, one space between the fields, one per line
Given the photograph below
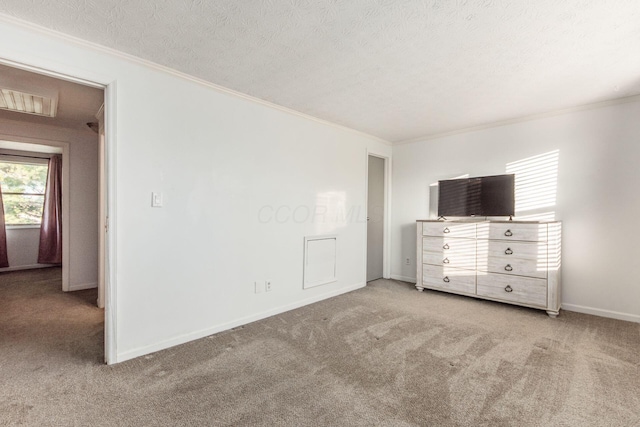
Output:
x=385 y=355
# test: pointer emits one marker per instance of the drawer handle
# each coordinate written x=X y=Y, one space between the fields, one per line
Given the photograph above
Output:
x=508 y=233
x=508 y=251
x=446 y=246
x=446 y=279
x=445 y=261
x=508 y=267
x=446 y=230
x=508 y=289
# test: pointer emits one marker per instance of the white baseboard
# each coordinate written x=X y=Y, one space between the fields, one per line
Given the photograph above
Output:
x=569 y=307
x=602 y=313
x=26 y=267
x=141 y=351
x=82 y=286
x=403 y=278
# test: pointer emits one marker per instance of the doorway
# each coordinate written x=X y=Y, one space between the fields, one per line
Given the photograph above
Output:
x=79 y=130
x=376 y=217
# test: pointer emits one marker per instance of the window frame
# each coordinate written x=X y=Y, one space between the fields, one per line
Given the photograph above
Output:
x=36 y=159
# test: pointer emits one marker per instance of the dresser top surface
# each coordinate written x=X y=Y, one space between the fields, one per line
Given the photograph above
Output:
x=483 y=221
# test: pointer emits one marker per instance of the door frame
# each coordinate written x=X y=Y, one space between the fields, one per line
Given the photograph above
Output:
x=386 y=223
x=102 y=210
x=109 y=85
x=64 y=147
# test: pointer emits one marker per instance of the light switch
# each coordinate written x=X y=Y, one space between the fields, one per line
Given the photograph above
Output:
x=156 y=200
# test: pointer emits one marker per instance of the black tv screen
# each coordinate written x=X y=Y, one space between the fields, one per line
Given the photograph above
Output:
x=480 y=196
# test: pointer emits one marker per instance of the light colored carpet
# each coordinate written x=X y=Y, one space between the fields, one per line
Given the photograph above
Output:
x=384 y=355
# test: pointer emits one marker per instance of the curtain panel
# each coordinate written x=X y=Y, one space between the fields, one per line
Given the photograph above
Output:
x=50 y=250
x=4 y=260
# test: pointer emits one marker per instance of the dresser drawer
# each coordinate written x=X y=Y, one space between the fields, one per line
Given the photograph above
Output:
x=522 y=290
x=511 y=231
x=513 y=266
x=448 y=245
x=449 y=278
x=450 y=260
x=449 y=229
x=521 y=250
x=457 y=252
x=515 y=258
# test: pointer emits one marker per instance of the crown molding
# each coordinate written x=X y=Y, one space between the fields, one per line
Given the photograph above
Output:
x=10 y=20
x=26 y=25
x=552 y=113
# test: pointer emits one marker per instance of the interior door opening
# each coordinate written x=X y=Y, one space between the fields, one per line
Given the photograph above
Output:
x=73 y=127
x=375 y=217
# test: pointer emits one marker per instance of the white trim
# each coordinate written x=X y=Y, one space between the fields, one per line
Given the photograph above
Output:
x=25 y=267
x=66 y=225
x=21 y=226
x=102 y=210
x=307 y=239
x=568 y=307
x=83 y=286
x=47 y=68
x=386 y=232
x=66 y=262
x=68 y=72
x=23 y=159
x=386 y=272
x=403 y=278
x=13 y=149
x=110 y=312
x=146 y=63
x=600 y=312
x=552 y=113
x=365 y=252
x=181 y=339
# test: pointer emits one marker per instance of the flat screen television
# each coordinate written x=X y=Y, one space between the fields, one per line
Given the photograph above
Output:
x=479 y=196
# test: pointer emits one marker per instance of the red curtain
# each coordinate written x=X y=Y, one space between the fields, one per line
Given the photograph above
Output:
x=4 y=260
x=50 y=251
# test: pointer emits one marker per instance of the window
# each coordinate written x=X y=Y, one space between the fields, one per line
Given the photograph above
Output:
x=23 y=184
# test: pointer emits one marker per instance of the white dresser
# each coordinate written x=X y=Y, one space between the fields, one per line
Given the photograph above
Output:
x=515 y=262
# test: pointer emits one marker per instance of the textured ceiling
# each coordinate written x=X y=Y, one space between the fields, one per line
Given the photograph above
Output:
x=397 y=69
x=77 y=104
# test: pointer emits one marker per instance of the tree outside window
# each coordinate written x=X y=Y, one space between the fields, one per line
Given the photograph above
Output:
x=23 y=187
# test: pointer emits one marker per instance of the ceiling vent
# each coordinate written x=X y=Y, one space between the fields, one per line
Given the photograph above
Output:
x=24 y=102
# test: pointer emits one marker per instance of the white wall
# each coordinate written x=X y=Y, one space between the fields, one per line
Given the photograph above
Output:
x=597 y=196
x=22 y=248
x=187 y=269
x=83 y=201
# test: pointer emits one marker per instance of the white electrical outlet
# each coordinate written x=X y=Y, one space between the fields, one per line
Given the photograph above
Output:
x=259 y=287
x=407 y=261
x=267 y=285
